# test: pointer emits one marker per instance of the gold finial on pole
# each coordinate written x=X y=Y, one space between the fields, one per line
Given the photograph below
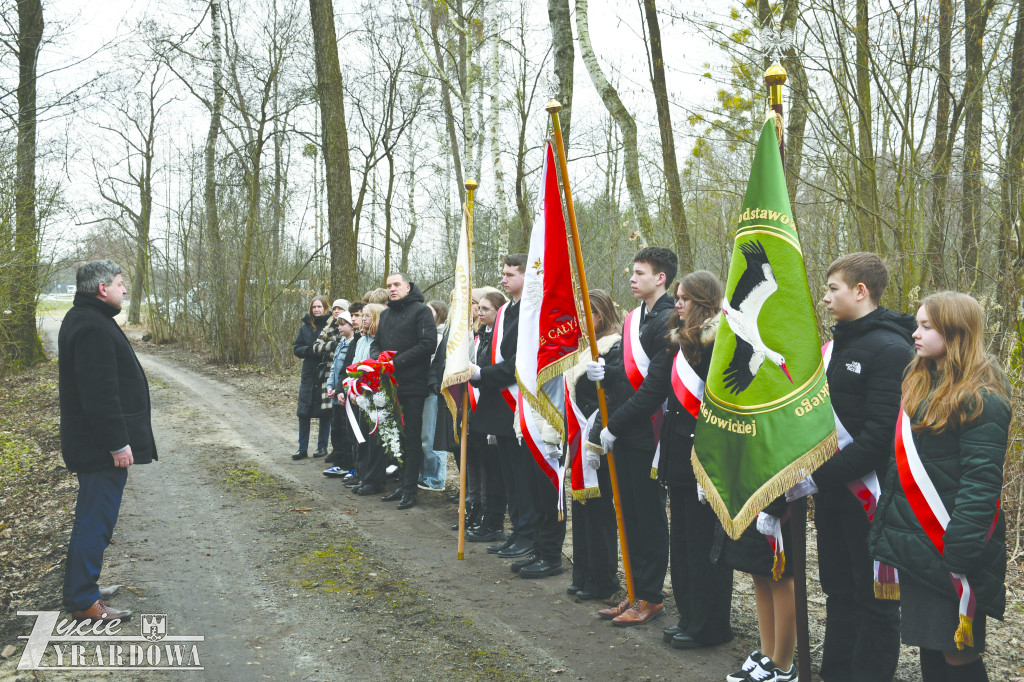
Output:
x=553 y=106
x=471 y=184
x=774 y=77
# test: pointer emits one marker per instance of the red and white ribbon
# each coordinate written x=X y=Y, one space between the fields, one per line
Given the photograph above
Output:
x=584 y=477
x=511 y=392
x=688 y=388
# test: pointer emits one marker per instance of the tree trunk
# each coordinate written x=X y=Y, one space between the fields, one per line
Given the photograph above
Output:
x=330 y=91
x=218 y=309
x=976 y=16
x=565 y=58
x=869 y=222
x=797 y=114
x=25 y=349
x=436 y=16
x=499 y=169
x=625 y=122
x=668 y=145
x=1008 y=249
x=935 y=275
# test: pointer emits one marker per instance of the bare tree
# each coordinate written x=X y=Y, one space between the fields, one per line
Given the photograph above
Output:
x=565 y=59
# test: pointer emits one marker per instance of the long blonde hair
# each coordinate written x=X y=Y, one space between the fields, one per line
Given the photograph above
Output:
x=373 y=310
x=951 y=394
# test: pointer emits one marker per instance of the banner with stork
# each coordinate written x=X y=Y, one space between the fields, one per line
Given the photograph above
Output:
x=766 y=420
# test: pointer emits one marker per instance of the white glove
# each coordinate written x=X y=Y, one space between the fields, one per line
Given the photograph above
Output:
x=802 y=489
x=593 y=459
x=768 y=524
x=595 y=369
x=476 y=373
x=607 y=439
x=701 y=497
x=492 y=440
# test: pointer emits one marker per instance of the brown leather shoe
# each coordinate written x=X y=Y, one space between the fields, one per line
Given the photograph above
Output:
x=639 y=612
x=615 y=611
x=105 y=594
x=101 y=612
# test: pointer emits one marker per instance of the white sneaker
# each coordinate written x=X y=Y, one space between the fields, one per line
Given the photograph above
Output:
x=335 y=471
x=741 y=674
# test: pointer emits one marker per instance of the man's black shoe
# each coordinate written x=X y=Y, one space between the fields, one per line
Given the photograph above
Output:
x=320 y=452
x=516 y=550
x=333 y=458
x=542 y=568
x=668 y=633
x=353 y=482
x=509 y=541
x=484 y=534
x=684 y=641
x=517 y=566
x=408 y=501
x=367 y=489
x=393 y=497
x=300 y=454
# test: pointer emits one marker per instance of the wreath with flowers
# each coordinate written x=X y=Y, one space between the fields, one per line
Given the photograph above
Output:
x=371 y=385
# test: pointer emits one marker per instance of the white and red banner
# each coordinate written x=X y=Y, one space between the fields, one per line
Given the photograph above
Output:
x=458 y=367
x=549 y=329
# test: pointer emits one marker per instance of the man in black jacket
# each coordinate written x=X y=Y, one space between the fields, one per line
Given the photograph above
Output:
x=104 y=428
x=871 y=347
x=630 y=433
x=407 y=327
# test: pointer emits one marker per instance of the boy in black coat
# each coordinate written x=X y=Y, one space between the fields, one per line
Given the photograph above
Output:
x=871 y=347
x=104 y=427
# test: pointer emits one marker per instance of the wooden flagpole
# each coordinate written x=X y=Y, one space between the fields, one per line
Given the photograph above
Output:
x=471 y=186
x=553 y=107
x=774 y=77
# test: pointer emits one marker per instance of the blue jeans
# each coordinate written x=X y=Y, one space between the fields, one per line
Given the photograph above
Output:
x=96 y=510
x=434 y=471
x=323 y=432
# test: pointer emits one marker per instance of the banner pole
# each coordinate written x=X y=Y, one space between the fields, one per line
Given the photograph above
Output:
x=553 y=107
x=471 y=186
x=774 y=77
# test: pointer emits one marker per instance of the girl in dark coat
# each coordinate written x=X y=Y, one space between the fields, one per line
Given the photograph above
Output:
x=702 y=588
x=310 y=385
x=595 y=547
x=939 y=520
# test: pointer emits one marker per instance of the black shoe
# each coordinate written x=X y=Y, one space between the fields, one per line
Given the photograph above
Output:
x=484 y=534
x=353 y=482
x=542 y=568
x=300 y=454
x=573 y=590
x=320 y=452
x=668 y=633
x=586 y=595
x=408 y=501
x=509 y=541
x=367 y=489
x=517 y=566
x=516 y=550
x=333 y=458
x=684 y=641
x=393 y=497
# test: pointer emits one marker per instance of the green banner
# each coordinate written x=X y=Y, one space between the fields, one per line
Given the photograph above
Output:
x=766 y=421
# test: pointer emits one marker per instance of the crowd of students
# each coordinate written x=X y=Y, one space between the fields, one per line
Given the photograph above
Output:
x=922 y=416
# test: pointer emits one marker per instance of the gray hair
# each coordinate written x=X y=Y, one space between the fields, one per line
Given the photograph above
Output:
x=90 y=275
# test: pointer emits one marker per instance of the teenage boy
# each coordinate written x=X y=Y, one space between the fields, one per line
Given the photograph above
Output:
x=871 y=347
x=636 y=381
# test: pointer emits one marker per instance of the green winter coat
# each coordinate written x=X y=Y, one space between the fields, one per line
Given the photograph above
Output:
x=966 y=467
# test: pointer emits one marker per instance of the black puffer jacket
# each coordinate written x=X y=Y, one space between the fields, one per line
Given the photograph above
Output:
x=407 y=327
x=630 y=411
x=104 y=395
x=309 y=384
x=493 y=416
x=677 y=432
x=966 y=466
x=869 y=356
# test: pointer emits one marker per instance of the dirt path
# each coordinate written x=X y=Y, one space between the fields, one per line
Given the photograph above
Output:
x=352 y=589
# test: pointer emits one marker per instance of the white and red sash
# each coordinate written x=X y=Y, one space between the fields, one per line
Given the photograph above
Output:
x=545 y=454
x=925 y=502
x=688 y=388
x=474 y=392
x=584 y=477
x=511 y=392
x=868 y=491
x=637 y=365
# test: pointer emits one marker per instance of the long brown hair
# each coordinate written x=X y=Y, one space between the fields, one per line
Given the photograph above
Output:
x=603 y=306
x=706 y=292
x=950 y=392
x=327 y=309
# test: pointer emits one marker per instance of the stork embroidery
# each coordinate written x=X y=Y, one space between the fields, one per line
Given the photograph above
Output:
x=755 y=286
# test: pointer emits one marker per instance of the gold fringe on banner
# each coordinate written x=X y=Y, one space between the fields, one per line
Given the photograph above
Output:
x=654 y=473
x=544 y=408
x=964 y=635
x=778 y=484
x=456 y=410
x=582 y=496
x=890 y=591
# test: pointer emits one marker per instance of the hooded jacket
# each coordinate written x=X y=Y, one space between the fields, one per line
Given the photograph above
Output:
x=865 y=376
x=407 y=327
x=310 y=386
x=104 y=395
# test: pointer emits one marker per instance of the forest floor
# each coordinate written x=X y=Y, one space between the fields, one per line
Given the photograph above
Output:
x=287 y=575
